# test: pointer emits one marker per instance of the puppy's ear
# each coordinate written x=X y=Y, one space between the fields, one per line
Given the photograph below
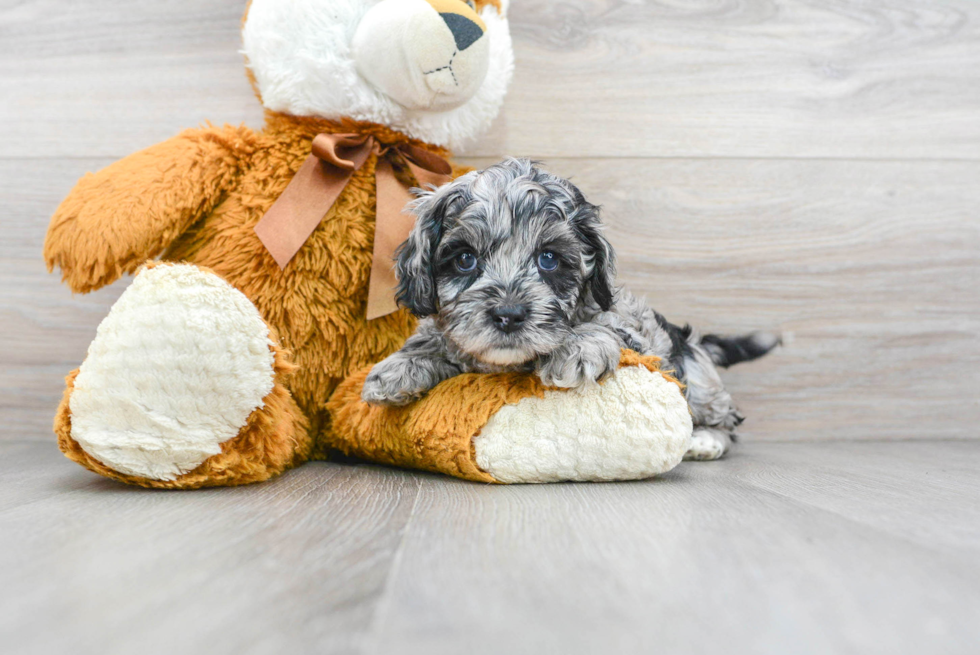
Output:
x=416 y=288
x=599 y=282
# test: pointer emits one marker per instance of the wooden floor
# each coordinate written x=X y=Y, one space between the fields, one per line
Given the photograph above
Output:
x=783 y=548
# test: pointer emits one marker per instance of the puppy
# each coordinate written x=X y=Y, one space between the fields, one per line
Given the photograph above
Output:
x=510 y=271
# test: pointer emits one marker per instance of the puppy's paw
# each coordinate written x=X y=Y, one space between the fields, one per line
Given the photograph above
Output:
x=381 y=391
x=390 y=383
x=708 y=444
x=580 y=363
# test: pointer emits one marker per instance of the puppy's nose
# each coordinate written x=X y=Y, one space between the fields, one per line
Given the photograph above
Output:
x=465 y=31
x=508 y=318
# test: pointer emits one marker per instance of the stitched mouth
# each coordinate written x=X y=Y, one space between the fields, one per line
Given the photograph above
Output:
x=448 y=67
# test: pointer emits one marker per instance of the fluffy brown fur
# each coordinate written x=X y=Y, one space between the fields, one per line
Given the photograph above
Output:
x=436 y=432
x=197 y=198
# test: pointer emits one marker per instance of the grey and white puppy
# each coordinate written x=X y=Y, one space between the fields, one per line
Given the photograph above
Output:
x=510 y=271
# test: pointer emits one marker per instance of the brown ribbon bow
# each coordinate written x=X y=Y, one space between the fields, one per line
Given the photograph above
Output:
x=319 y=182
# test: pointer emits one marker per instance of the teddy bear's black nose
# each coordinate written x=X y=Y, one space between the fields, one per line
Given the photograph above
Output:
x=465 y=31
x=508 y=318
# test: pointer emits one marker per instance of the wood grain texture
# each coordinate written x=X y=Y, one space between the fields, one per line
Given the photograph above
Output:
x=735 y=556
x=793 y=78
x=92 y=566
x=108 y=77
x=781 y=548
x=734 y=78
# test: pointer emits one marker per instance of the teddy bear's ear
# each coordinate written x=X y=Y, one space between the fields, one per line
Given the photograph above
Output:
x=416 y=288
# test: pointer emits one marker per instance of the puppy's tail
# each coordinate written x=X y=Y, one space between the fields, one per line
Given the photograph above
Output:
x=725 y=351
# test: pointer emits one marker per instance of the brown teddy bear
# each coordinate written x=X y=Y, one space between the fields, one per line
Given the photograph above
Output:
x=220 y=365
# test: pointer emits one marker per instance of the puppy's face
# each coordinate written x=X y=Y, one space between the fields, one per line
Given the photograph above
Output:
x=503 y=258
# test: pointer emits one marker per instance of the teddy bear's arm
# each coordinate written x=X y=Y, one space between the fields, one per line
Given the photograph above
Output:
x=130 y=211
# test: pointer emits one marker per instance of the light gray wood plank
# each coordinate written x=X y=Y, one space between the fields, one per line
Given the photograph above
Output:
x=911 y=489
x=869 y=268
x=34 y=471
x=110 y=77
x=803 y=548
x=699 y=561
x=594 y=78
x=88 y=565
x=796 y=78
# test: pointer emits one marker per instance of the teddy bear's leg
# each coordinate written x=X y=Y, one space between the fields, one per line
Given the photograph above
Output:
x=510 y=428
x=182 y=388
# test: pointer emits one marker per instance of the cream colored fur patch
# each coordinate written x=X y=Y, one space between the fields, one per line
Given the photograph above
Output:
x=176 y=368
x=633 y=426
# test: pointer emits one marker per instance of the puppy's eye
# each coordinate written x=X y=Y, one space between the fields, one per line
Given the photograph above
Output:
x=547 y=261
x=466 y=262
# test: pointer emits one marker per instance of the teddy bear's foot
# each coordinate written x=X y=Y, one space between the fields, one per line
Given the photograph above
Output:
x=636 y=425
x=508 y=427
x=182 y=388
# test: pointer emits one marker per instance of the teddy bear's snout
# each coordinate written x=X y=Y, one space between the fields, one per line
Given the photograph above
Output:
x=423 y=54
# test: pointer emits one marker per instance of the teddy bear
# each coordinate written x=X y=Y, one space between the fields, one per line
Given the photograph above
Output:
x=263 y=288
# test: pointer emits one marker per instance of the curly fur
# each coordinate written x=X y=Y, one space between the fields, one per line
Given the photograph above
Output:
x=574 y=319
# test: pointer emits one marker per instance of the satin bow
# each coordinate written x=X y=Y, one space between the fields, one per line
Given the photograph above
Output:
x=319 y=182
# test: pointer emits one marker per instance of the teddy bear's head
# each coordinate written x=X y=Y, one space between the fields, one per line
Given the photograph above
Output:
x=436 y=70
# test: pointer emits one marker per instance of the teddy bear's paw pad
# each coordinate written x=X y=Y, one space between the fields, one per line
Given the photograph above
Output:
x=175 y=370
x=635 y=425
